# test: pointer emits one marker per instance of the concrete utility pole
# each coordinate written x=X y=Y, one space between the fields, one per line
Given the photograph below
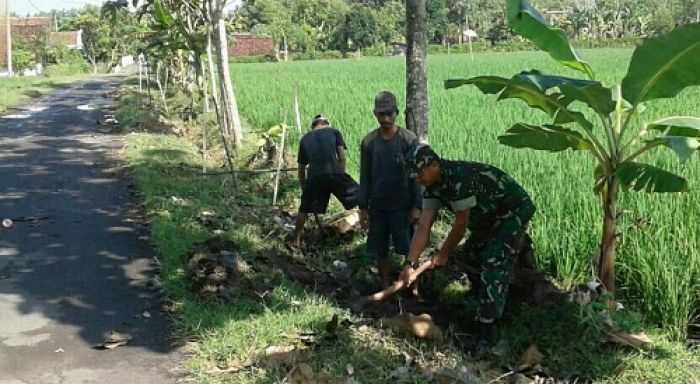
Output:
x=9 y=38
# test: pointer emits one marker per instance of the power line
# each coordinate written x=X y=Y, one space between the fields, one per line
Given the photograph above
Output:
x=34 y=5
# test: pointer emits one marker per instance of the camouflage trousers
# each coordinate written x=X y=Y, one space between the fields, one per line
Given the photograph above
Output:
x=495 y=253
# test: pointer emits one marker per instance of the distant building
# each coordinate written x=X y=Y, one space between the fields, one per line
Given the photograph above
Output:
x=30 y=27
x=40 y=27
x=398 y=48
x=71 y=39
x=245 y=44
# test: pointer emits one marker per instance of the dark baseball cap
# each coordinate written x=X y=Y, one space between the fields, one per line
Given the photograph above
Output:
x=385 y=101
x=319 y=118
x=420 y=156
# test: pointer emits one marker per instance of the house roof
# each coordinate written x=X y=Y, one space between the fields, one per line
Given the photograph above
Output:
x=31 y=21
x=66 y=38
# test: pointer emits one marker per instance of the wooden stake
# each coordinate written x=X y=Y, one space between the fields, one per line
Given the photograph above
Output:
x=296 y=111
x=279 y=164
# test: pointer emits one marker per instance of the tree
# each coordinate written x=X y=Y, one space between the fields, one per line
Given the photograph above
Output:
x=416 y=79
x=437 y=20
x=229 y=115
x=96 y=42
x=660 y=68
x=391 y=22
x=360 y=27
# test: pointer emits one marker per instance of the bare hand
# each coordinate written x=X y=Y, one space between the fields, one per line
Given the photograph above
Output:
x=406 y=275
x=364 y=218
x=414 y=215
x=438 y=260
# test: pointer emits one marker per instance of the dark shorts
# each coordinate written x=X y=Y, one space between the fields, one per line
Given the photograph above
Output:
x=317 y=192
x=385 y=226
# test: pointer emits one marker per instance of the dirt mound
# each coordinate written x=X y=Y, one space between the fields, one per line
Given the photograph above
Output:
x=215 y=269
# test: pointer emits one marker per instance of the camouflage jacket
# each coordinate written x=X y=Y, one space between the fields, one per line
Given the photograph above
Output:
x=489 y=193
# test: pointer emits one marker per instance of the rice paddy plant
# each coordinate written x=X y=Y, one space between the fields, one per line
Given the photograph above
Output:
x=657 y=233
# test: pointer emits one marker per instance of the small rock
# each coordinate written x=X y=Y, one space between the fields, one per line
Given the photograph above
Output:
x=399 y=373
x=7 y=223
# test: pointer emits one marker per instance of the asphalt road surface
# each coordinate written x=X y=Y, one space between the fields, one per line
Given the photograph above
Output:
x=75 y=264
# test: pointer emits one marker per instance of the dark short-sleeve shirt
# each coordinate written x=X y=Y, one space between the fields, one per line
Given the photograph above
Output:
x=318 y=150
x=384 y=181
x=488 y=192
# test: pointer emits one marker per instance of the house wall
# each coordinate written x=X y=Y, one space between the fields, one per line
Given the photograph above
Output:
x=249 y=45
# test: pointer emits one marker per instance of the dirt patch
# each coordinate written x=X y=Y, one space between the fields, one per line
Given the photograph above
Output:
x=217 y=269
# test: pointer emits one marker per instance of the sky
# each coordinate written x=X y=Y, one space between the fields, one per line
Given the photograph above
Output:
x=24 y=7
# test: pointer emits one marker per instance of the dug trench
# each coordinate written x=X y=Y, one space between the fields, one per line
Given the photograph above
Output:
x=222 y=270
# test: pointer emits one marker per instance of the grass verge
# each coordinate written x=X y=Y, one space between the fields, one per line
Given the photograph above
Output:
x=16 y=90
x=228 y=338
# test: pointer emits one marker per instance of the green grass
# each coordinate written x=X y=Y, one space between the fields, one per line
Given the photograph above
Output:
x=659 y=251
x=233 y=335
x=16 y=90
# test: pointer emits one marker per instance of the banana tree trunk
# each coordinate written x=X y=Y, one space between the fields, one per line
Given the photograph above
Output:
x=228 y=98
x=606 y=266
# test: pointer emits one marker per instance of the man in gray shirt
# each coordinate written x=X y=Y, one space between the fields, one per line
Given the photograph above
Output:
x=321 y=160
x=389 y=200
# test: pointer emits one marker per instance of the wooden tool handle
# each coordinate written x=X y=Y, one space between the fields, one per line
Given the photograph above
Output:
x=398 y=285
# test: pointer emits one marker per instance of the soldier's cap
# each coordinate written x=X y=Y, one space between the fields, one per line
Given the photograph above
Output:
x=420 y=156
x=318 y=119
x=385 y=101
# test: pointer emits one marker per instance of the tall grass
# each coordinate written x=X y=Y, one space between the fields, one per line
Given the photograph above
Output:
x=659 y=252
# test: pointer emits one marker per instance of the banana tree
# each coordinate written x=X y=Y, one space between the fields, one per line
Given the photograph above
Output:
x=660 y=68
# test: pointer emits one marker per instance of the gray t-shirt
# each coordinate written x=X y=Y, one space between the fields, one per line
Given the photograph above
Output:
x=384 y=181
x=318 y=150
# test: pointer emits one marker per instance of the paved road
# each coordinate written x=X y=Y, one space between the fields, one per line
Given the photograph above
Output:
x=77 y=266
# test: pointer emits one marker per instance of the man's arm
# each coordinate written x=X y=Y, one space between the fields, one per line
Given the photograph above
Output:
x=365 y=176
x=453 y=238
x=422 y=237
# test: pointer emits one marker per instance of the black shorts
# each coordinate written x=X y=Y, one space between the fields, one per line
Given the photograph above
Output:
x=317 y=191
x=386 y=227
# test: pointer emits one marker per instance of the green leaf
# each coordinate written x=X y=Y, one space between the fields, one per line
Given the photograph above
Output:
x=523 y=88
x=550 y=138
x=590 y=92
x=687 y=126
x=663 y=66
x=683 y=146
x=161 y=15
x=527 y=22
x=648 y=178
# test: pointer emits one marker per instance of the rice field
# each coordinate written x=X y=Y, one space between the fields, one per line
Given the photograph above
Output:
x=659 y=253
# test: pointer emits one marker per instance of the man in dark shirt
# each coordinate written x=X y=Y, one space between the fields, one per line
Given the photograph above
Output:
x=494 y=207
x=321 y=160
x=389 y=199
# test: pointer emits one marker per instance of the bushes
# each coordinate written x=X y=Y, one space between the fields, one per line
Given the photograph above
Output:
x=317 y=55
x=511 y=45
x=67 y=63
x=253 y=59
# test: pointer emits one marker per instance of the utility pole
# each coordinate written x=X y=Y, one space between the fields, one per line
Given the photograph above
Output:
x=9 y=38
x=469 y=34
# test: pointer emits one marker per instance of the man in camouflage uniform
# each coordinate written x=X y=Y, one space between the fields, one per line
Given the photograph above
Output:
x=488 y=202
